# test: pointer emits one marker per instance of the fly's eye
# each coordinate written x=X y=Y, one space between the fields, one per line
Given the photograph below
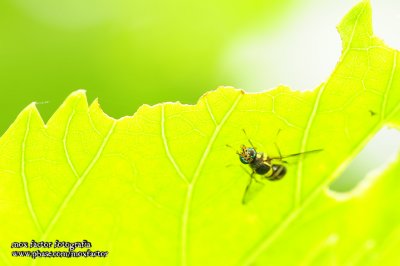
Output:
x=243 y=160
x=247 y=155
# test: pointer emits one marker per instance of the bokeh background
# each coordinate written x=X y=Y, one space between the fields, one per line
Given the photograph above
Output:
x=130 y=52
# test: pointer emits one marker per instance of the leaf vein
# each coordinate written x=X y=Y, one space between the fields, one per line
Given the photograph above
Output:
x=24 y=177
x=189 y=194
x=71 y=165
x=210 y=112
x=297 y=198
x=77 y=184
x=166 y=147
x=389 y=85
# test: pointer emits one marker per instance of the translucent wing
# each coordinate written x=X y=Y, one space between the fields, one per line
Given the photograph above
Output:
x=296 y=154
x=300 y=153
x=252 y=189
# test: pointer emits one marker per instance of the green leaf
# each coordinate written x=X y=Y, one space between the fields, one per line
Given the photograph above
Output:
x=162 y=188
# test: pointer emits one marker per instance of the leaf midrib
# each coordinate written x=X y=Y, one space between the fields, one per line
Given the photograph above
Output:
x=191 y=186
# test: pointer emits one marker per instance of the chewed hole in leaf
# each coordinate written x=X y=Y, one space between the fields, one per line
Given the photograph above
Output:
x=375 y=157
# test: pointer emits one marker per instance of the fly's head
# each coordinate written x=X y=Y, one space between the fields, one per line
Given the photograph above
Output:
x=247 y=154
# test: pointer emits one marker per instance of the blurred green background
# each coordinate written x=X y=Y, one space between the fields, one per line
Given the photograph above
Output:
x=129 y=53
x=125 y=52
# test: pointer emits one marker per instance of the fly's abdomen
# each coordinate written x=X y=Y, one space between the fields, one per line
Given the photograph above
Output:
x=262 y=169
x=278 y=172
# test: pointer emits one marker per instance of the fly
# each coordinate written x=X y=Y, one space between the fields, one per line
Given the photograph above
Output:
x=264 y=167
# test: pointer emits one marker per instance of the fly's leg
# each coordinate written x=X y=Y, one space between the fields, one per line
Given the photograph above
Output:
x=246 y=170
x=251 y=143
x=276 y=143
x=247 y=188
x=277 y=147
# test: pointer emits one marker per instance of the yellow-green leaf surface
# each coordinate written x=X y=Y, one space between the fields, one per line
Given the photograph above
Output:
x=162 y=188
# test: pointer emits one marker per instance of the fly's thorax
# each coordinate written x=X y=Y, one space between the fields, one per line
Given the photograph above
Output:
x=260 y=166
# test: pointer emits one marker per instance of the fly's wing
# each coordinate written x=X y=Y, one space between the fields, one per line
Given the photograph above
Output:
x=292 y=155
x=252 y=189
x=300 y=153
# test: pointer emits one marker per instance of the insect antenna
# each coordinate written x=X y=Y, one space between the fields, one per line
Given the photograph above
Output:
x=229 y=146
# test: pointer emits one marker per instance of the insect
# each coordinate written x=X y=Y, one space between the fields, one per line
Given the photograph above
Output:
x=372 y=113
x=264 y=167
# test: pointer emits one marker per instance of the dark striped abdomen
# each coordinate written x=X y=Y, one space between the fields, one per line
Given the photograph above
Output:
x=278 y=172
